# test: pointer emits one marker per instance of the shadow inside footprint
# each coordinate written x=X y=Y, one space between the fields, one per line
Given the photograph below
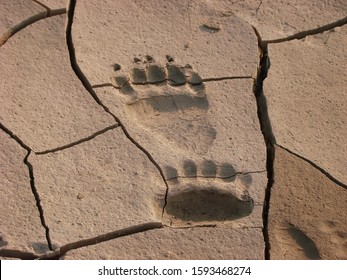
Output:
x=169 y=103
x=208 y=204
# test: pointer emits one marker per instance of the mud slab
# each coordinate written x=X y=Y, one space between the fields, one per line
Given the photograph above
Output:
x=21 y=228
x=307 y=101
x=179 y=244
x=49 y=107
x=88 y=190
x=307 y=212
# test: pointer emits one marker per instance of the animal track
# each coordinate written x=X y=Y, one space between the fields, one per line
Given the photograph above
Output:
x=304 y=242
x=152 y=73
x=337 y=236
x=291 y=242
x=206 y=195
x=169 y=100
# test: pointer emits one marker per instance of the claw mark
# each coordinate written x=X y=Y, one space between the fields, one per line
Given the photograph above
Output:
x=211 y=26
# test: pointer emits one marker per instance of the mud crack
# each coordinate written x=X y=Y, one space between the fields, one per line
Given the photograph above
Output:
x=17 y=254
x=330 y=177
x=216 y=79
x=30 y=20
x=303 y=34
x=59 y=252
x=89 y=88
x=266 y=128
x=265 y=123
x=32 y=182
x=258 y=8
x=88 y=138
x=203 y=80
x=42 y=5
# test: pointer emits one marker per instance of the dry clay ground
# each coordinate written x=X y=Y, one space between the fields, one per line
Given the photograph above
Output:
x=193 y=129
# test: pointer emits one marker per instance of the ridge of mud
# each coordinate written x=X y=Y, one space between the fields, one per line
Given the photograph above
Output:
x=17 y=254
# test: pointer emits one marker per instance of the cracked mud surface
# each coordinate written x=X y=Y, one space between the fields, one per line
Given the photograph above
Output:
x=125 y=138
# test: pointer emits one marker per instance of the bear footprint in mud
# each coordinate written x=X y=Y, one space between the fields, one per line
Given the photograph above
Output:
x=206 y=195
x=169 y=101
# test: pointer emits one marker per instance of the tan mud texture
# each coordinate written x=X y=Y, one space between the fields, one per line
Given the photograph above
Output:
x=193 y=129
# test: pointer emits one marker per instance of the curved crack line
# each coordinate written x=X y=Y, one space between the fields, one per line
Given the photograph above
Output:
x=32 y=182
x=90 y=137
x=30 y=20
x=330 y=177
x=15 y=137
x=89 y=88
x=59 y=252
x=303 y=34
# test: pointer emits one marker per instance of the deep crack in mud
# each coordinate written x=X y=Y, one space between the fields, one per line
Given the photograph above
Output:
x=32 y=182
x=89 y=88
x=265 y=125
